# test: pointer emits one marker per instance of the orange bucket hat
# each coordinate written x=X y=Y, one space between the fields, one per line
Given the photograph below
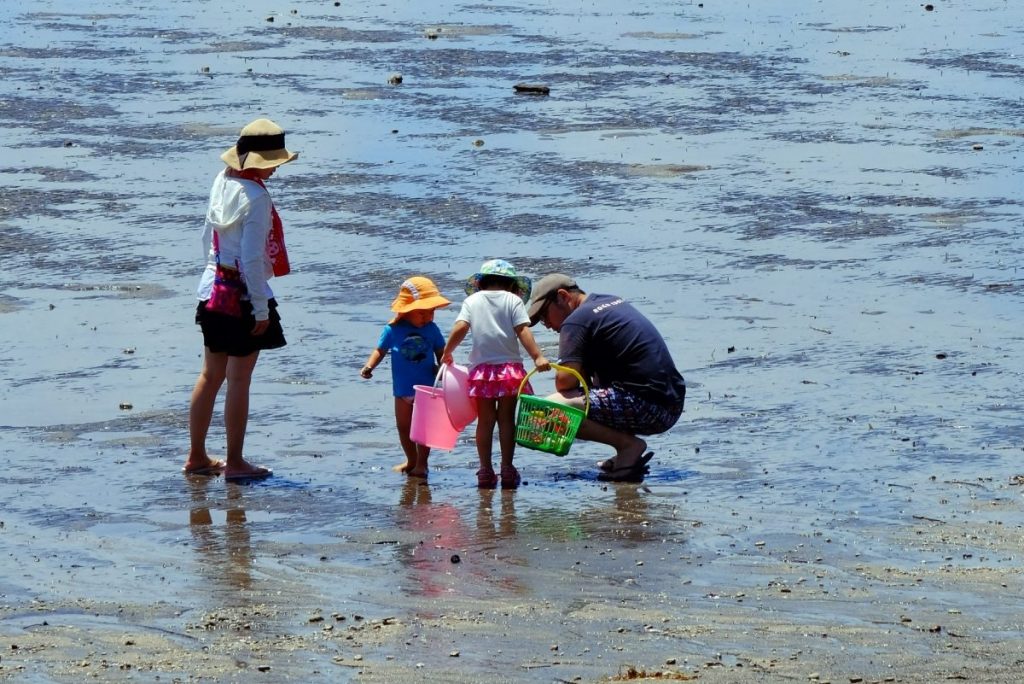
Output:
x=418 y=292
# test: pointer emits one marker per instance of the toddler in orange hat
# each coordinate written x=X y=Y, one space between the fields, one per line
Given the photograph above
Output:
x=415 y=344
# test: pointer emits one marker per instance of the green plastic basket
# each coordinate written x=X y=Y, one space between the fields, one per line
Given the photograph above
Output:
x=547 y=425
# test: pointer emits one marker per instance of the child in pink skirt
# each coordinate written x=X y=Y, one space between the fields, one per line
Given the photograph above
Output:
x=496 y=313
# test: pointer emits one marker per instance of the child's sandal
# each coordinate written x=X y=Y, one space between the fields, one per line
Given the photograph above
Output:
x=486 y=479
x=510 y=478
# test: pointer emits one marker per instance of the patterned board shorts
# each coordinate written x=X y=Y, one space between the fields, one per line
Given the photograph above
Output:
x=623 y=410
x=493 y=380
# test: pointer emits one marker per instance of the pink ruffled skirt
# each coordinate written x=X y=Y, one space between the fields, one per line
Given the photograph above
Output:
x=493 y=380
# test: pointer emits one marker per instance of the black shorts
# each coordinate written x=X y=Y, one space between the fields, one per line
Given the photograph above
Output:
x=233 y=336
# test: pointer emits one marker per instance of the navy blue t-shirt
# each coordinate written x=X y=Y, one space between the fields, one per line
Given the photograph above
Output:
x=616 y=344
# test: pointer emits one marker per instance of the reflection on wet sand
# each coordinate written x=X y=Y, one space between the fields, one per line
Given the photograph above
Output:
x=498 y=540
x=226 y=554
x=448 y=556
x=627 y=516
x=440 y=535
x=492 y=531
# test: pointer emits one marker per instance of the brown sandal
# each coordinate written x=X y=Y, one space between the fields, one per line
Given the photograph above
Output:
x=510 y=478
x=486 y=479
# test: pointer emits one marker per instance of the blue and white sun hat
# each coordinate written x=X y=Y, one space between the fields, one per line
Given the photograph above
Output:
x=502 y=268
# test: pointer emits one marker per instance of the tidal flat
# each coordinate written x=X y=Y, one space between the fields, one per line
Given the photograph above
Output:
x=817 y=204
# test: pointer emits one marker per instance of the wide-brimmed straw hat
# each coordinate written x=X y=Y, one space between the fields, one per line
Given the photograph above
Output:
x=502 y=268
x=418 y=292
x=260 y=146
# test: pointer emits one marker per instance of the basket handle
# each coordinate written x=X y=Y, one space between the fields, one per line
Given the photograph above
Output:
x=572 y=371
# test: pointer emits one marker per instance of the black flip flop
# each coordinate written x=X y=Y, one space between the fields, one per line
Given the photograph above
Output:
x=608 y=465
x=634 y=473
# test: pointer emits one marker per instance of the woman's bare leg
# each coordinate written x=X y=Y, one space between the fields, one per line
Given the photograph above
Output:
x=200 y=411
x=236 y=415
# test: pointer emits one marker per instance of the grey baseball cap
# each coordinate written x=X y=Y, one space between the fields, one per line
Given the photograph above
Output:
x=544 y=289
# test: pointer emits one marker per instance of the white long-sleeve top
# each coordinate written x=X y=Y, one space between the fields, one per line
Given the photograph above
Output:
x=239 y=211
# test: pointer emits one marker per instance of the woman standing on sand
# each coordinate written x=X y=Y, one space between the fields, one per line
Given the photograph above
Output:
x=237 y=312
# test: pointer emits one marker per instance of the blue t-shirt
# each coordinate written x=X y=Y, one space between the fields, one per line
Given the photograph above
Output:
x=616 y=344
x=413 y=354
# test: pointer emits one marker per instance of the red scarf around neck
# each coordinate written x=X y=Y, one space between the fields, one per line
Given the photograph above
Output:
x=275 y=240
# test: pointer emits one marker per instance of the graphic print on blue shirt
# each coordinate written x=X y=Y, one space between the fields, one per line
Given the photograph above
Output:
x=413 y=354
x=414 y=348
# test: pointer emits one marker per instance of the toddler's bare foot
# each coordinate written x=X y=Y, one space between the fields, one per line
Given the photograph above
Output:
x=401 y=468
x=417 y=473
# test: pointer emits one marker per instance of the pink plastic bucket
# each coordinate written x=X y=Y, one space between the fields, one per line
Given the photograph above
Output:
x=431 y=425
x=461 y=407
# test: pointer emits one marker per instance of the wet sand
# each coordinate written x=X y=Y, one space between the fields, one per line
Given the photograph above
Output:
x=818 y=206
